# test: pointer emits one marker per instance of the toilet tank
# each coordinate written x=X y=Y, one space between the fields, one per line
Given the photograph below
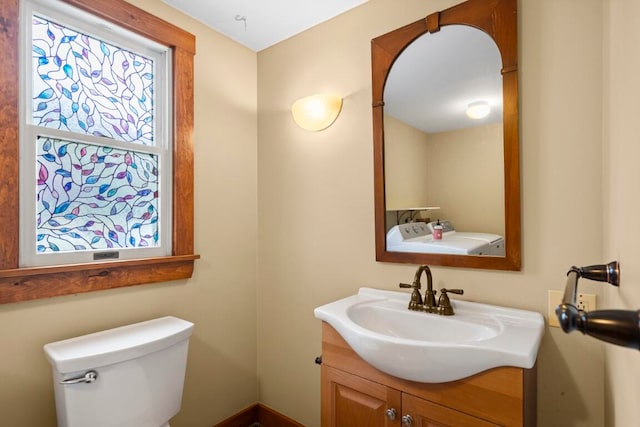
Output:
x=140 y=374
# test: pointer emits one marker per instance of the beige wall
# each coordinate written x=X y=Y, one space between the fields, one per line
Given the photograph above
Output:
x=406 y=167
x=622 y=175
x=315 y=194
x=466 y=168
x=220 y=299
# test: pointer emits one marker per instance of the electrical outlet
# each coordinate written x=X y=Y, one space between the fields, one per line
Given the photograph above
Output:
x=584 y=302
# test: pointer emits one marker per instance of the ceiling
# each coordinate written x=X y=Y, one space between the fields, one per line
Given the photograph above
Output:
x=429 y=95
x=258 y=24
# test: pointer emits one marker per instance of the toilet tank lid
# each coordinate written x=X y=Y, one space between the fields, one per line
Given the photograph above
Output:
x=117 y=345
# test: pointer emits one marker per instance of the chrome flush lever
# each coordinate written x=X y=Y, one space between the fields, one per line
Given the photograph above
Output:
x=88 y=377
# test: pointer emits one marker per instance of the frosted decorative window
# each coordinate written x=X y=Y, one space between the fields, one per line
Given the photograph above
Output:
x=93 y=197
x=86 y=85
x=96 y=175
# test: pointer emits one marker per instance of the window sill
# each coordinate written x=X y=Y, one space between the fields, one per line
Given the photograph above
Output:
x=24 y=284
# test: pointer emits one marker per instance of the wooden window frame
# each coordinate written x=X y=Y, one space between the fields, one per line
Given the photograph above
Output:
x=22 y=284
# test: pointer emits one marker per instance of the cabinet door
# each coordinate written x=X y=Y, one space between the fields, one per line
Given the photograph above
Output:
x=352 y=401
x=428 y=414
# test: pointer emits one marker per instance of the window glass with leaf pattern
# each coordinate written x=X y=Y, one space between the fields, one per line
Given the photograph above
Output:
x=95 y=151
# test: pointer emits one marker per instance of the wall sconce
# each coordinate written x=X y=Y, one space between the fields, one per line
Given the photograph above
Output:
x=478 y=110
x=316 y=112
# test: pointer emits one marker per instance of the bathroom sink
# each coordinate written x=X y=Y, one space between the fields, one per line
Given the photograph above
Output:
x=428 y=347
x=391 y=318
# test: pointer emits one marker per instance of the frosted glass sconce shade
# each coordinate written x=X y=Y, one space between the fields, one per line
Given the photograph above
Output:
x=316 y=112
x=478 y=110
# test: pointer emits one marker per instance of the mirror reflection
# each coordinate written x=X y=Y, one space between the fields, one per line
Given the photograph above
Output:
x=443 y=146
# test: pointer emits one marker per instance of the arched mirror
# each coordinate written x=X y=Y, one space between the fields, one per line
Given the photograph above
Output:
x=446 y=150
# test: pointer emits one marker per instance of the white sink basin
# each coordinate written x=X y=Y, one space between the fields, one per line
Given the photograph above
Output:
x=428 y=347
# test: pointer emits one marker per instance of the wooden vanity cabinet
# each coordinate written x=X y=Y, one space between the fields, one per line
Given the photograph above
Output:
x=355 y=394
x=355 y=401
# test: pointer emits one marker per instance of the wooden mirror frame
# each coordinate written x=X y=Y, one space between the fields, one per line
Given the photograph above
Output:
x=498 y=19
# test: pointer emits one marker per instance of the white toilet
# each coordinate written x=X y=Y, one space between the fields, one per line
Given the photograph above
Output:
x=130 y=376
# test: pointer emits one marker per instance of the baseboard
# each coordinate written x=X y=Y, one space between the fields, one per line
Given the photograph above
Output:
x=245 y=418
x=259 y=415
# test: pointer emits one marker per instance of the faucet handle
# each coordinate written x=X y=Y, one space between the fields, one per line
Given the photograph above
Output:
x=415 y=303
x=444 y=304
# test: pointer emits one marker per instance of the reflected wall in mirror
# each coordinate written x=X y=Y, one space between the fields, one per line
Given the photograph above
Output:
x=431 y=160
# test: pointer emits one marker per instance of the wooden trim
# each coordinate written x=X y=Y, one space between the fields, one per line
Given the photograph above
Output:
x=245 y=418
x=138 y=21
x=268 y=417
x=9 y=147
x=183 y=152
x=505 y=396
x=22 y=284
x=105 y=265
x=498 y=19
x=259 y=414
x=433 y=22
x=26 y=287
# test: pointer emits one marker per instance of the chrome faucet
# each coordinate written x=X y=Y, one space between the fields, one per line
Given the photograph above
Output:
x=443 y=306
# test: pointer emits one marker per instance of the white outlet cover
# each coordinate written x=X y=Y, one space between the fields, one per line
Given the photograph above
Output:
x=555 y=299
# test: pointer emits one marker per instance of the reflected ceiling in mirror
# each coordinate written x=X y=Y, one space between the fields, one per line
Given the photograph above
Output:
x=433 y=81
x=430 y=158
